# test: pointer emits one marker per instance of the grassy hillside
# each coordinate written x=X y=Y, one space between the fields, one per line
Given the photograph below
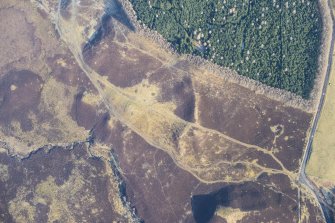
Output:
x=273 y=41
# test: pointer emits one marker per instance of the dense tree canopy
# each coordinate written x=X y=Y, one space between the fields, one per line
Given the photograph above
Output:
x=273 y=41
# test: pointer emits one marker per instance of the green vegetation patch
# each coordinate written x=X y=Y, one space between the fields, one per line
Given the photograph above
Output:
x=273 y=41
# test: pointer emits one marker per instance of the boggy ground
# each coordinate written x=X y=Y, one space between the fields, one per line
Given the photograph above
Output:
x=162 y=192
x=38 y=81
x=176 y=87
x=176 y=129
x=171 y=104
x=59 y=184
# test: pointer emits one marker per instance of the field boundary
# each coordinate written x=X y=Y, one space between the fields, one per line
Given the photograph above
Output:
x=287 y=98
